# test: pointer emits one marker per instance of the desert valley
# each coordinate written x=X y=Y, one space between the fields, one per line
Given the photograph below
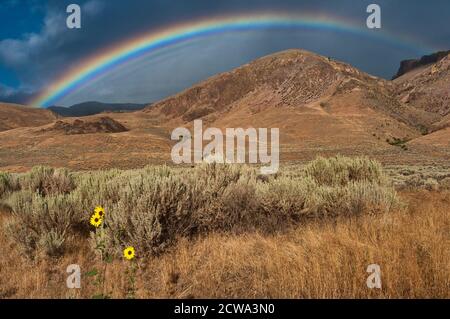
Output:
x=321 y=106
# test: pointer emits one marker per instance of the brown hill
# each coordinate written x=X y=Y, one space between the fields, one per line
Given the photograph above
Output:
x=87 y=126
x=436 y=144
x=294 y=79
x=13 y=116
x=320 y=105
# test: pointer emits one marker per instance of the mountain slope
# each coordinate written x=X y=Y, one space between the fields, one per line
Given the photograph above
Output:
x=427 y=88
x=301 y=86
x=293 y=78
x=407 y=66
x=14 y=116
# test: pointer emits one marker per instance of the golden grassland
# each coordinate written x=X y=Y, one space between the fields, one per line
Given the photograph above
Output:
x=318 y=255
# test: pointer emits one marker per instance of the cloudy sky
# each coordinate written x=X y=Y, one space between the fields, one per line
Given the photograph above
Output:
x=37 y=48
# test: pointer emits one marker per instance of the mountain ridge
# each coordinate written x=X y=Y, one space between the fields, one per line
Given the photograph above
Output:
x=93 y=107
x=412 y=64
x=427 y=88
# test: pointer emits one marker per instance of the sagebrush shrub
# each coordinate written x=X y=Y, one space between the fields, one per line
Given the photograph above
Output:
x=4 y=183
x=41 y=224
x=148 y=213
x=238 y=207
x=8 y=183
x=341 y=170
x=149 y=208
x=285 y=198
x=156 y=206
x=47 y=181
x=369 y=198
x=445 y=183
x=431 y=184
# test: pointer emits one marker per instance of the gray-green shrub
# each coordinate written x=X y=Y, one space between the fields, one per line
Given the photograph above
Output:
x=4 y=183
x=341 y=170
x=8 y=183
x=150 y=207
x=41 y=224
x=47 y=180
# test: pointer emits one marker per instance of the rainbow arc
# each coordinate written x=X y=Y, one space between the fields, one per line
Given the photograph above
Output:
x=119 y=54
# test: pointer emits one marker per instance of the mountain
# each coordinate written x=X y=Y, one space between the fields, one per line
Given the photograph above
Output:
x=92 y=107
x=412 y=64
x=320 y=103
x=293 y=79
x=14 y=116
x=427 y=88
x=321 y=107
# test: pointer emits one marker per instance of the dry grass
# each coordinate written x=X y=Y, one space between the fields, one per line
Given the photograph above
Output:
x=319 y=259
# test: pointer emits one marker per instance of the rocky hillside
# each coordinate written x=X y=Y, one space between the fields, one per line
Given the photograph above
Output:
x=427 y=88
x=295 y=80
x=297 y=77
x=412 y=64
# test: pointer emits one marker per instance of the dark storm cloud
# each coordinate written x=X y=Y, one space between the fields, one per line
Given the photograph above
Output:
x=39 y=56
x=12 y=95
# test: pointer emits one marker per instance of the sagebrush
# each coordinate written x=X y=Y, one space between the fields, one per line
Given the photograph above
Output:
x=150 y=208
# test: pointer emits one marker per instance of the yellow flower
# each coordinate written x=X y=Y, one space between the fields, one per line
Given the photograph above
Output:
x=96 y=220
x=100 y=211
x=128 y=253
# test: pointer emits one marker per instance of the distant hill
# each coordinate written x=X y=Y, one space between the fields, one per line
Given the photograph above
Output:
x=89 y=126
x=14 y=116
x=92 y=108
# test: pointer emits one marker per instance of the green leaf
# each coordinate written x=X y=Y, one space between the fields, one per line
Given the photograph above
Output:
x=108 y=259
x=92 y=273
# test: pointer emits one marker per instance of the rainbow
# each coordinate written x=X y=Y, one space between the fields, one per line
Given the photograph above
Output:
x=99 y=64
